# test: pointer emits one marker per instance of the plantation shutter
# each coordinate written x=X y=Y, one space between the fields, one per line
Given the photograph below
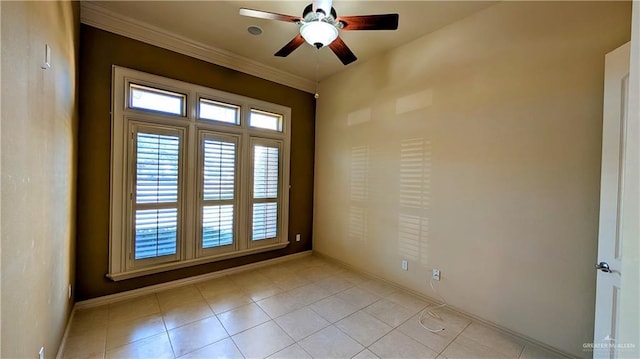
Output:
x=157 y=179
x=219 y=155
x=266 y=177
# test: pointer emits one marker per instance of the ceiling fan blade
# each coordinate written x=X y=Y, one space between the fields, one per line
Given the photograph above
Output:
x=370 y=22
x=269 y=15
x=292 y=45
x=342 y=51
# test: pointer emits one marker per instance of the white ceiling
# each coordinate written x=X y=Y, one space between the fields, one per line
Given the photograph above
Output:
x=217 y=24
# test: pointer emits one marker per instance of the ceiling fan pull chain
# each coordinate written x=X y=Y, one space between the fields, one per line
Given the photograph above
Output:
x=317 y=94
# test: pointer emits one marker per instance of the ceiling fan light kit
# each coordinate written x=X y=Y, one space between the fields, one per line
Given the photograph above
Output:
x=318 y=33
x=320 y=27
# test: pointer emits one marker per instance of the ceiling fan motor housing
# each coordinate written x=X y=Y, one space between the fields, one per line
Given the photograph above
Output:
x=309 y=10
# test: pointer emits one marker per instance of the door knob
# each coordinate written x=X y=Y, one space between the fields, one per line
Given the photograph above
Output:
x=603 y=266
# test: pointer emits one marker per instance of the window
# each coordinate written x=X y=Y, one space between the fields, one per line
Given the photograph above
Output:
x=217 y=111
x=147 y=98
x=157 y=176
x=265 y=191
x=265 y=120
x=197 y=175
x=218 y=192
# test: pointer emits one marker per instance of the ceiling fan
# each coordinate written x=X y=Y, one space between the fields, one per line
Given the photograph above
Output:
x=320 y=25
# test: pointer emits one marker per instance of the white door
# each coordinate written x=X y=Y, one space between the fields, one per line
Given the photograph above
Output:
x=611 y=197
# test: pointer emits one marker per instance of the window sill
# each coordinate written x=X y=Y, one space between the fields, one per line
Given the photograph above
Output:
x=183 y=264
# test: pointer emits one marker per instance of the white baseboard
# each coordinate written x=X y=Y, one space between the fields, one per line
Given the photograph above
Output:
x=63 y=343
x=96 y=302
x=463 y=313
x=111 y=298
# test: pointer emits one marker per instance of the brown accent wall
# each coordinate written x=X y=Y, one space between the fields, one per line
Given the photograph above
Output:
x=99 y=51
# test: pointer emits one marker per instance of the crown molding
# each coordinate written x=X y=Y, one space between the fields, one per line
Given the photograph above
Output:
x=99 y=17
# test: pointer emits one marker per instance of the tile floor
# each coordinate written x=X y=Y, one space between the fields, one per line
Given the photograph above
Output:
x=303 y=308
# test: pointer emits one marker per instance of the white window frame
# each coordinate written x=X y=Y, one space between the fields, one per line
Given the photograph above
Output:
x=202 y=135
x=189 y=252
x=268 y=143
x=136 y=127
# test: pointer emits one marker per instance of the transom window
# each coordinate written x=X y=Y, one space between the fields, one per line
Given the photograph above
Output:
x=266 y=120
x=152 y=99
x=197 y=175
x=218 y=111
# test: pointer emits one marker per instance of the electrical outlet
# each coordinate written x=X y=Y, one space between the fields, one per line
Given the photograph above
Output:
x=435 y=274
x=405 y=265
x=298 y=237
x=41 y=353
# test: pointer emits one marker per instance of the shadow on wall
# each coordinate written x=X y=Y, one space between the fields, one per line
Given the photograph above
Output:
x=411 y=181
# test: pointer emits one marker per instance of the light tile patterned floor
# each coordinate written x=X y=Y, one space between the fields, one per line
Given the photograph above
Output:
x=303 y=308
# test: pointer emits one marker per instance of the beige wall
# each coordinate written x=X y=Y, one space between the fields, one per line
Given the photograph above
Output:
x=476 y=149
x=38 y=175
